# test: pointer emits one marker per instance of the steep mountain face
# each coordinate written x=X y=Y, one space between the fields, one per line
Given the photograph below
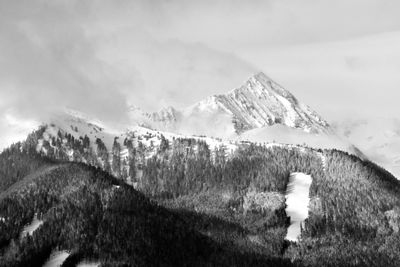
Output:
x=259 y=102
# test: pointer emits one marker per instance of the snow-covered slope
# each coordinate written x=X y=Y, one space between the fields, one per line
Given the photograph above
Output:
x=285 y=135
x=74 y=136
x=261 y=102
x=79 y=124
x=258 y=111
x=56 y=258
x=258 y=103
x=297 y=201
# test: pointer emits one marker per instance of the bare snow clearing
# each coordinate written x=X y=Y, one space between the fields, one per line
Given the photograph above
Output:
x=88 y=264
x=30 y=228
x=56 y=259
x=297 y=201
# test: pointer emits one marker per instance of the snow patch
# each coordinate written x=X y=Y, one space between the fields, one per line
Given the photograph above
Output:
x=30 y=228
x=56 y=258
x=297 y=201
x=88 y=264
x=290 y=117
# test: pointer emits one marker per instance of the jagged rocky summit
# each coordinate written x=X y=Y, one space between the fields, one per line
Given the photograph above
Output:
x=259 y=102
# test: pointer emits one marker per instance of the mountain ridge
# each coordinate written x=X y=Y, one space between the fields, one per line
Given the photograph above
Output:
x=209 y=193
x=259 y=102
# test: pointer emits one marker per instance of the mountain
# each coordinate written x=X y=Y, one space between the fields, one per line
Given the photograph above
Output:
x=197 y=205
x=248 y=178
x=89 y=215
x=258 y=111
x=227 y=196
x=259 y=102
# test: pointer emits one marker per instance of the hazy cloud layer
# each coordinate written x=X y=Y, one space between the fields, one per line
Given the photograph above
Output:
x=355 y=78
x=100 y=56
x=47 y=61
x=96 y=58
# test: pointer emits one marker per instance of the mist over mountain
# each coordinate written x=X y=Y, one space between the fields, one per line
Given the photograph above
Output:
x=258 y=111
x=377 y=137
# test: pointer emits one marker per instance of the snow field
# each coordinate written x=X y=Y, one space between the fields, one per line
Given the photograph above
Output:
x=30 y=228
x=297 y=201
x=88 y=264
x=56 y=259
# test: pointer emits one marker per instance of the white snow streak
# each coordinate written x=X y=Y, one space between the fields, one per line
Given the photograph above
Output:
x=30 y=228
x=290 y=117
x=88 y=264
x=56 y=259
x=297 y=201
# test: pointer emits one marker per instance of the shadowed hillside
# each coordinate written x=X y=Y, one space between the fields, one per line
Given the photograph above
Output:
x=94 y=216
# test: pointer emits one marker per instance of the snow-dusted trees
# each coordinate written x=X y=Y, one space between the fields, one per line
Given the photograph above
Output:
x=164 y=144
x=102 y=155
x=131 y=160
x=116 y=158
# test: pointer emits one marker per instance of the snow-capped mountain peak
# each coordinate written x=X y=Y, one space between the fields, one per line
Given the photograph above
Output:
x=258 y=103
x=262 y=102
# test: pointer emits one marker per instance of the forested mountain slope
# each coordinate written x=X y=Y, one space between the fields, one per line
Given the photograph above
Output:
x=236 y=197
x=95 y=216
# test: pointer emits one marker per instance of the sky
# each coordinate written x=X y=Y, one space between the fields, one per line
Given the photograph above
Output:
x=339 y=57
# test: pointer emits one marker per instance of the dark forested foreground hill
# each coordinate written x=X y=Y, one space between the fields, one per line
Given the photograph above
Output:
x=207 y=208
x=94 y=216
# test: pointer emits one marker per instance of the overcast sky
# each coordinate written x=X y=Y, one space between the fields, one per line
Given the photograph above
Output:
x=340 y=57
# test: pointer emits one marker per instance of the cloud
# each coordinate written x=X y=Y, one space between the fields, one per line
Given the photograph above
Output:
x=100 y=56
x=47 y=61
x=159 y=73
x=232 y=24
x=341 y=79
x=94 y=56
